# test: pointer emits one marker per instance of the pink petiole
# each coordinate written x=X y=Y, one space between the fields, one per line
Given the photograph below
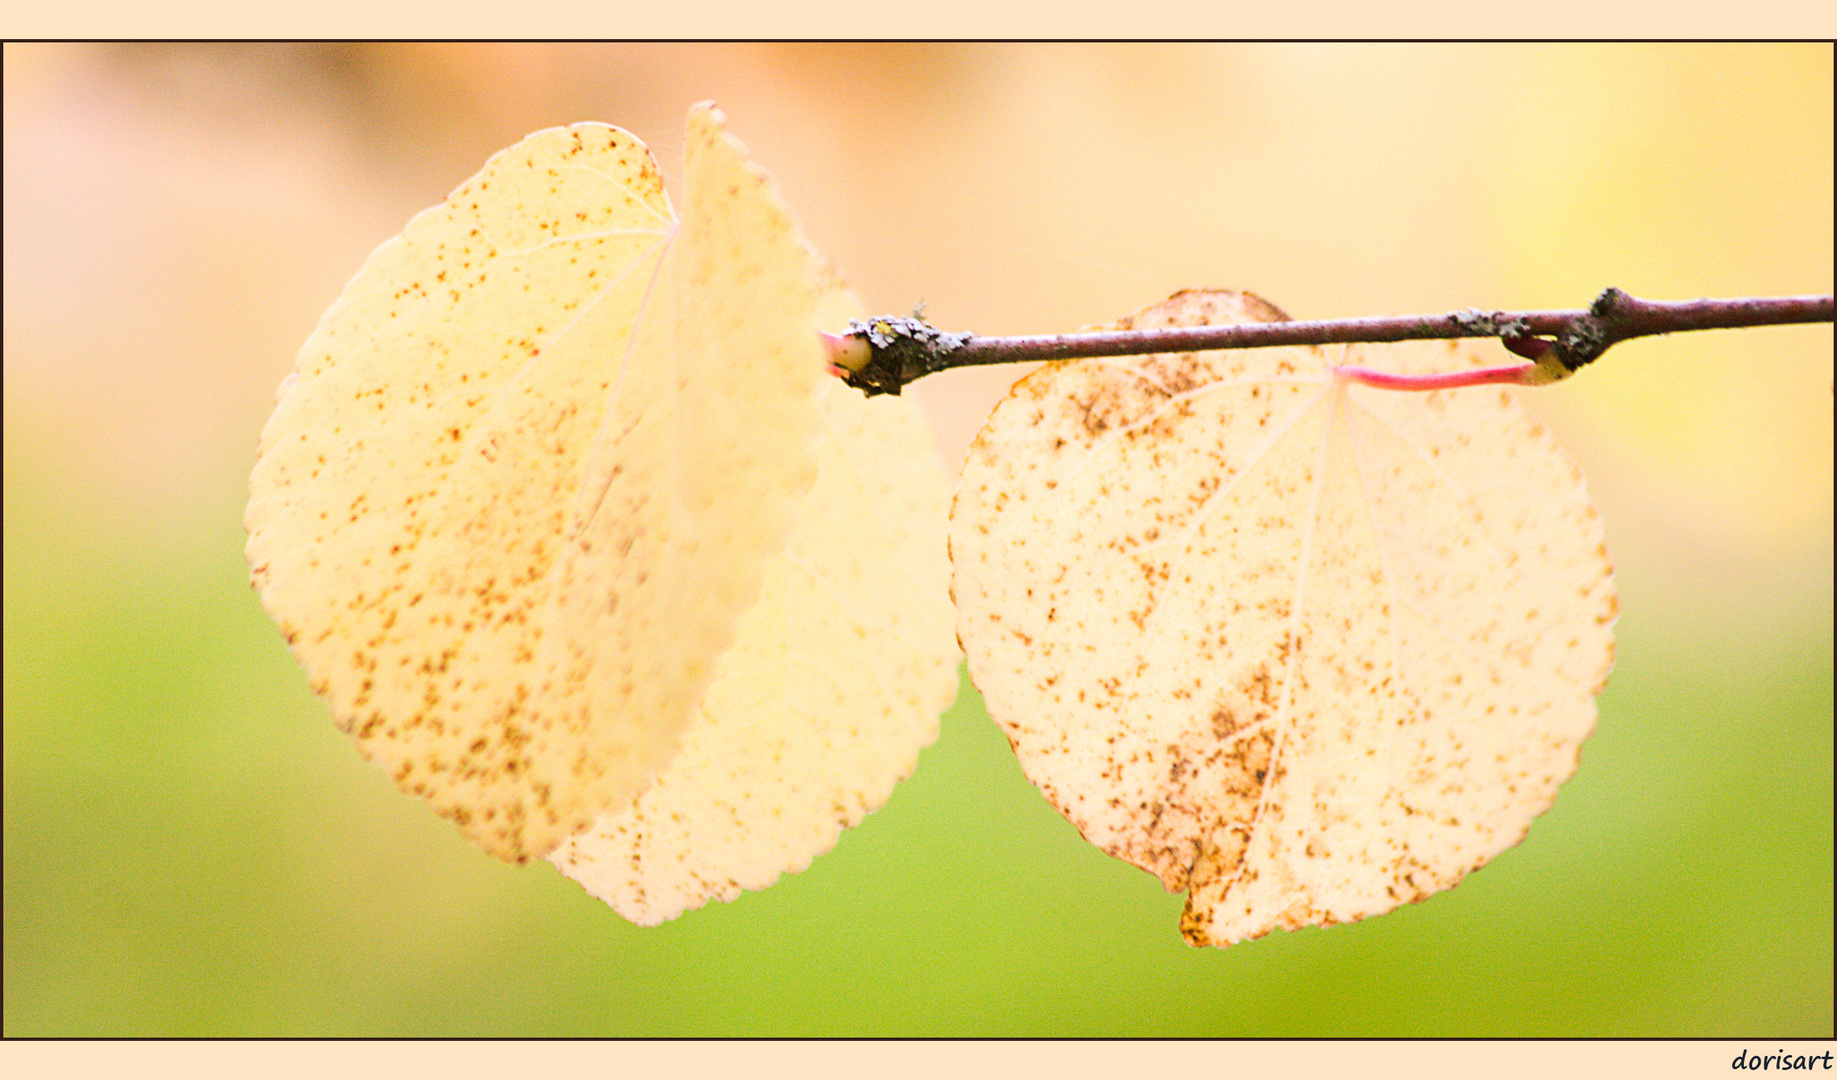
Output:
x=1443 y=380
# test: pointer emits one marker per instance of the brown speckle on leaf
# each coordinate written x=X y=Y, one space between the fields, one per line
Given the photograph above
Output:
x=1284 y=652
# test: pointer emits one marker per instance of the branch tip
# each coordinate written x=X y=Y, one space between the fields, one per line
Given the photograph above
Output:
x=899 y=350
x=847 y=353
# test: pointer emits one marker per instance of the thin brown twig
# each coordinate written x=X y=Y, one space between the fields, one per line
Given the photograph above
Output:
x=880 y=356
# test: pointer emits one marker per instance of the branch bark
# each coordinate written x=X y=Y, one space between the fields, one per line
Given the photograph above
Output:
x=882 y=355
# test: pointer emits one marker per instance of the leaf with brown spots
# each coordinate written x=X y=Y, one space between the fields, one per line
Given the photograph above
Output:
x=531 y=468
x=1304 y=649
x=833 y=686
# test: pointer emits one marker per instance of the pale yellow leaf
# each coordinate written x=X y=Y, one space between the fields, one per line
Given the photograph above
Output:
x=530 y=469
x=1304 y=649
x=824 y=701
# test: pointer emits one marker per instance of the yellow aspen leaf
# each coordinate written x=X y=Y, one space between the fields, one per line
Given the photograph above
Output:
x=1304 y=649
x=532 y=466
x=834 y=684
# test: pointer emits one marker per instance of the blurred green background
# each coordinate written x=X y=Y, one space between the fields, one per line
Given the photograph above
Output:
x=191 y=849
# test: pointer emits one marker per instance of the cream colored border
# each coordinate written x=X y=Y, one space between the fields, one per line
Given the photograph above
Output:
x=888 y=1060
x=828 y=19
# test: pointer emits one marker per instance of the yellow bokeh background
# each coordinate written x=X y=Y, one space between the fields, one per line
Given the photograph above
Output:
x=177 y=217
